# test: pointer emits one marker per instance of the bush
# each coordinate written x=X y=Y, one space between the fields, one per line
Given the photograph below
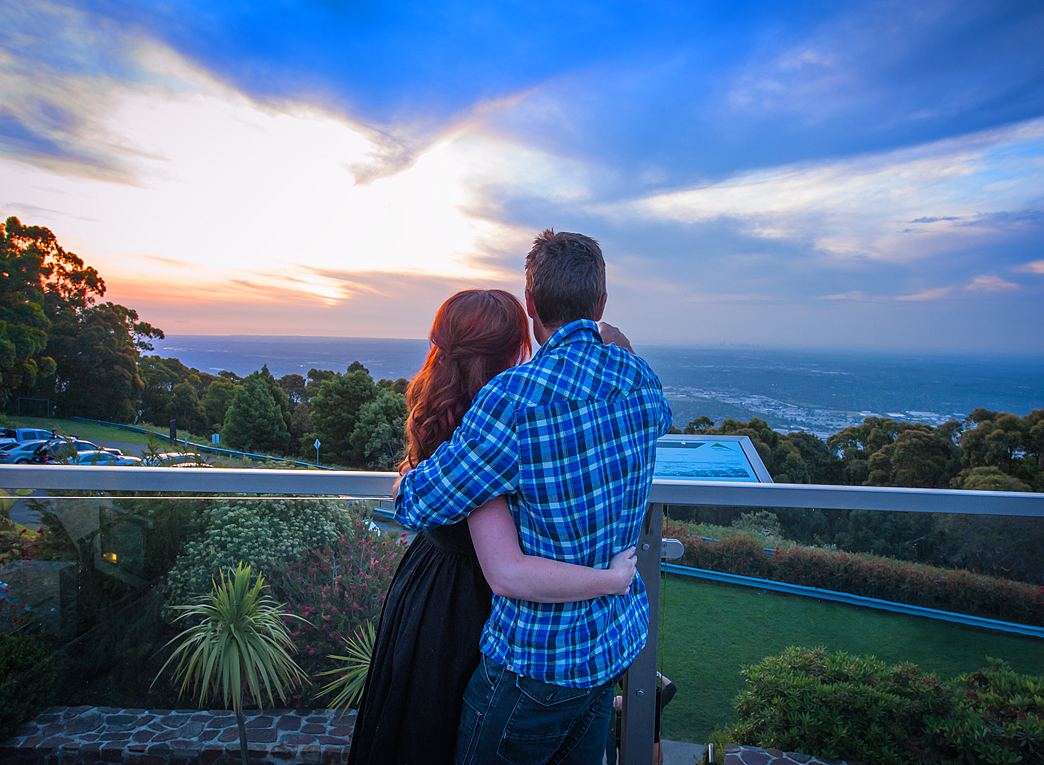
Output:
x=859 y=708
x=26 y=684
x=262 y=533
x=862 y=574
x=17 y=542
x=335 y=590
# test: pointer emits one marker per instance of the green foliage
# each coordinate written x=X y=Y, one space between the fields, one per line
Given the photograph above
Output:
x=240 y=639
x=1010 y=443
x=254 y=421
x=336 y=589
x=96 y=350
x=762 y=522
x=26 y=252
x=859 y=708
x=359 y=422
x=377 y=439
x=18 y=652
x=264 y=534
x=335 y=411
x=28 y=681
x=860 y=574
x=350 y=678
x=216 y=400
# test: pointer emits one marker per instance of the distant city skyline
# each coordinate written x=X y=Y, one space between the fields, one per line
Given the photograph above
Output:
x=867 y=175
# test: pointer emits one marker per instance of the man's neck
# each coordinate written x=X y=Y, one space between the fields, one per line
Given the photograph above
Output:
x=543 y=333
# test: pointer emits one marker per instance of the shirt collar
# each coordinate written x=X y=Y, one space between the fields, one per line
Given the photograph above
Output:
x=579 y=331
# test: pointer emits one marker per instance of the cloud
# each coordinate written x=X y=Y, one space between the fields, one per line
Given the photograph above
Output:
x=1036 y=267
x=991 y=284
x=935 y=293
x=855 y=207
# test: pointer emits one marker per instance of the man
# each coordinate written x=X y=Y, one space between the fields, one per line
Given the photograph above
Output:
x=569 y=438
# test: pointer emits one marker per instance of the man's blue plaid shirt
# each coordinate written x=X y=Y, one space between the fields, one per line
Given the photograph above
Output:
x=570 y=438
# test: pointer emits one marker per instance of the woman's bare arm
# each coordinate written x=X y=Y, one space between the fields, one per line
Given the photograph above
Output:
x=512 y=574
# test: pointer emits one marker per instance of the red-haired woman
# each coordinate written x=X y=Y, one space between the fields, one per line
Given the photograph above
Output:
x=427 y=644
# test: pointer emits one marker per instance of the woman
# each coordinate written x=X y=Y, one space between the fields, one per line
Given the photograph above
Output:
x=427 y=644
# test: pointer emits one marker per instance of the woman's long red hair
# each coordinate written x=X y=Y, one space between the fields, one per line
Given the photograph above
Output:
x=477 y=334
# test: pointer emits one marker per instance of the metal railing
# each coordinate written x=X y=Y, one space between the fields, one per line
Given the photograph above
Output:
x=640 y=683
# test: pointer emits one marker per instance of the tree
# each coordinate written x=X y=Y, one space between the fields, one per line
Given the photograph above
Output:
x=187 y=408
x=254 y=421
x=54 y=339
x=23 y=323
x=294 y=387
x=377 y=439
x=96 y=351
x=398 y=386
x=335 y=411
x=216 y=400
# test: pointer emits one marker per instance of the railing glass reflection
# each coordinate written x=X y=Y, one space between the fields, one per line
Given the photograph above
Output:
x=123 y=539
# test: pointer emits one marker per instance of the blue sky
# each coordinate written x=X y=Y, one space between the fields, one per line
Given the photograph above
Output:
x=857 y=175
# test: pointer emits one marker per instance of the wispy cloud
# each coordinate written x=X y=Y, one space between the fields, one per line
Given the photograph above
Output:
x=1036 y=267
x=991 y=283
x=856 y=207
x=932 y=294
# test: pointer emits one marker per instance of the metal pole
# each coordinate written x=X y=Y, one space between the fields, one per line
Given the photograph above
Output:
x=638 y=721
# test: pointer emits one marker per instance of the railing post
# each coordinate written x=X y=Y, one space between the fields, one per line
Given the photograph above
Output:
x=638 y=717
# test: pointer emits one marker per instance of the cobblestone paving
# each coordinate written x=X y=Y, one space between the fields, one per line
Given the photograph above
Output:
x=74 y=735
x=752 y=755
x=80 y=735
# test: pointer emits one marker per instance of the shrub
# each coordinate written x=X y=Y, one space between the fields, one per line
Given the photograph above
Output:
x=263 y=534
x=27 y=681
x=862 y=574
x=859 y=708
x=17 y=542
x=336 y=590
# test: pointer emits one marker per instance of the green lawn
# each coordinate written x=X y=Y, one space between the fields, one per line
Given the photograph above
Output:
x=711 y=630
x=99 y=434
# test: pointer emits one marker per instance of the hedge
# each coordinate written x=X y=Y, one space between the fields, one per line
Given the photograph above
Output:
x=867 y=575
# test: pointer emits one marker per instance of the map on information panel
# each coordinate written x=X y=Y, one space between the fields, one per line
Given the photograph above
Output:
x=709 y=458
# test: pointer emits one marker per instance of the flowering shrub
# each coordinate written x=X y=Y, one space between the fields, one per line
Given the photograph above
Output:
x=18 y=543
x=863 y=574
x=264 y=534
x=335 y=589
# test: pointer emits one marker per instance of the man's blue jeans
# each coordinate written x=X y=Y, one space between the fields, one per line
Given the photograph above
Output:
x=509 y=719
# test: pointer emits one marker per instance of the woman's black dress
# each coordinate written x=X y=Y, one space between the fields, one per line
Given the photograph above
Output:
x=426 y=651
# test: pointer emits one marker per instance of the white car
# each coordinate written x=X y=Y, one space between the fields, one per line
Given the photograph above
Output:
x=100 y=457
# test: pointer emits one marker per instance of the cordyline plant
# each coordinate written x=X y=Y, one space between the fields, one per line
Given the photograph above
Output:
x=350 y=677
x=240 y=646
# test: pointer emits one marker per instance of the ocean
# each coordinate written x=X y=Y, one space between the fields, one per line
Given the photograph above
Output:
x=818 y=391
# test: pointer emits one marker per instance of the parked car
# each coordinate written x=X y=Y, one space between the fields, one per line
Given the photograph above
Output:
x=21 y=435
x=62 y=449
x=103 y=457
x=19 y=453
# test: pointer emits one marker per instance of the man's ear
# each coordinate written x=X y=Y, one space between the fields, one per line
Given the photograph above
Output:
x=598 y=313
x=530 y=306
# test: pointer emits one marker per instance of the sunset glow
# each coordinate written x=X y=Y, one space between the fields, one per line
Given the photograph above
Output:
x=798 y=186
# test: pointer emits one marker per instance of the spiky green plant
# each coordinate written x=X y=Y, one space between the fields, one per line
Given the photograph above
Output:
x=351 y=676
x=238 y=645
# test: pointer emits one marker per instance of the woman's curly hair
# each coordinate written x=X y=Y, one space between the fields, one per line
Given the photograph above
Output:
x=477 y=334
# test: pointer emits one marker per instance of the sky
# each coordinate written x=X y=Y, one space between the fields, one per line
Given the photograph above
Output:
x=857 y=176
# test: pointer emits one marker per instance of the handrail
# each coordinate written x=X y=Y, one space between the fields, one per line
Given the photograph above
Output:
x=369 y=484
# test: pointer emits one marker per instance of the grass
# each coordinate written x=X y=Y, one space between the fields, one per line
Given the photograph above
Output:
x=103 y=435
x=709 y=631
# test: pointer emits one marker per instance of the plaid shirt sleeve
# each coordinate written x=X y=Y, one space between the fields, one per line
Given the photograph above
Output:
x=478 y=463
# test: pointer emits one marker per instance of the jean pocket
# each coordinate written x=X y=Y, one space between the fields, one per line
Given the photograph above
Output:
x=541 y=720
